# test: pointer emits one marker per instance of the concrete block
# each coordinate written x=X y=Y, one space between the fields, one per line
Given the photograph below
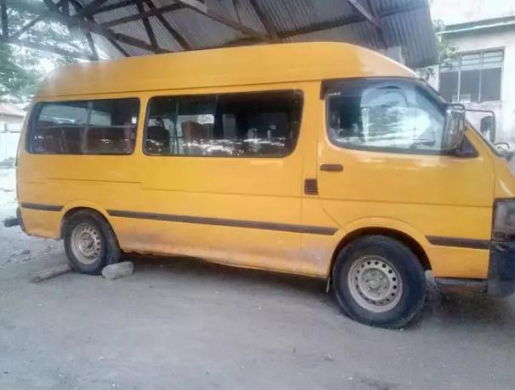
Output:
x=51 y=272
x=118 y=270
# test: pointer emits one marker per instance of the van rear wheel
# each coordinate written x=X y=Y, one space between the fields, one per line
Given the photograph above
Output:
x=378 y=281
x=90 y=243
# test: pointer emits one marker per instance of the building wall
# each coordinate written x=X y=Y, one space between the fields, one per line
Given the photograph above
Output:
x=505 y=109
x=8 y=145
x=10 y=128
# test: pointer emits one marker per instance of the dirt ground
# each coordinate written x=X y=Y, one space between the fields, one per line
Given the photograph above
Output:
x=184 y=324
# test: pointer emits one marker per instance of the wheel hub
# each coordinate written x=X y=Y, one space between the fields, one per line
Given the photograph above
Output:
x=374 y=283
x=86 y=243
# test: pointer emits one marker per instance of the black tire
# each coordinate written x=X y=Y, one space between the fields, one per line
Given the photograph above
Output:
x=107 y=249
x=399 y=261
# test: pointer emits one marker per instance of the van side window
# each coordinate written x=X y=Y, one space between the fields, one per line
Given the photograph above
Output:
x=260 y=124
x=383 y=115
x=84 y=127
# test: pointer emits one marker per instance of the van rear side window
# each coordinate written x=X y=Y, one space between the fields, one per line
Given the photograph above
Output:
x=84 y=127
x=258 y=124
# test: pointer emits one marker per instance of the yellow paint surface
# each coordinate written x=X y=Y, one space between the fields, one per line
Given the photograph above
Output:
x=417 y=195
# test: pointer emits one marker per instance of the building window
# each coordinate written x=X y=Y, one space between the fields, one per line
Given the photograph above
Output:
x=472 y=77
x=259 y=124
x=84 y=127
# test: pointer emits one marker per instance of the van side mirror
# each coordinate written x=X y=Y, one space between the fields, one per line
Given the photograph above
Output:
x=487 y=127
x=454 y=127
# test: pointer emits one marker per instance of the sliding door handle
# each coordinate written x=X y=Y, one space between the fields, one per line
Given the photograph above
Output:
x=331 y=167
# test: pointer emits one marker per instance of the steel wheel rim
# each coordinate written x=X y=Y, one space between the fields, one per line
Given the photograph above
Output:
x=86 y=243
x=374 y=284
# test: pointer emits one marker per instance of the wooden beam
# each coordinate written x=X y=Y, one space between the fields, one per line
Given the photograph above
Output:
x=203 y=9
x=5 y=19
x=112 y=7
x=143 y=15
x=86 y=25
x=265 y=20
x=78 y=6
x=118 y=47
x=46 y=48
x=147 y=25
x=179 y=38
x=364 y=12
x=380 y=30
x=92 y=47
x=91 y=7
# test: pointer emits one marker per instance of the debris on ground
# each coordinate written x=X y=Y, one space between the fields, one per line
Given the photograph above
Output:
x=51 y=273
x=118 y=270
x=11 y=221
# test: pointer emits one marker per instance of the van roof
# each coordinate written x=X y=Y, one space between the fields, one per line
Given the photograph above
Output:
x=221 y=67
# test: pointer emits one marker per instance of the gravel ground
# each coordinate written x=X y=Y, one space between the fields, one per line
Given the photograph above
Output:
x=184 y=324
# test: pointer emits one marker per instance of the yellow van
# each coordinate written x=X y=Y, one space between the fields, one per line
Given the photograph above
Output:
x=319 y=159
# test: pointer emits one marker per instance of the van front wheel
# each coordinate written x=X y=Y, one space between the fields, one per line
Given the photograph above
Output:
x=378 y=281
x=90 y=243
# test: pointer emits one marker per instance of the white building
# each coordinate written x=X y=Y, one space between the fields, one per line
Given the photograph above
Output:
x=11 y=120
x=482 y=76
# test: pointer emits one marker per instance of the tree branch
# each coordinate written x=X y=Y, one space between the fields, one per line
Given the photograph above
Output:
x=46 y=48
x=35 y=21
x=5 y=19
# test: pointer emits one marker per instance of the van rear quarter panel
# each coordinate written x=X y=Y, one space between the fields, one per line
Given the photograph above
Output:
x=248 y=189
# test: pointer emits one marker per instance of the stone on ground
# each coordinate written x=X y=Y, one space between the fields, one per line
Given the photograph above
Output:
x=51 y=272
x=118 y=270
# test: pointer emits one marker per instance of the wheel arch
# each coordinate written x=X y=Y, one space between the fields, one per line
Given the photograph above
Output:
x=399 y=235
x=76 y=207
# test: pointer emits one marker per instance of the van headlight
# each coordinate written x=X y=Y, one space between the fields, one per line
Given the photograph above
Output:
x=504 y=220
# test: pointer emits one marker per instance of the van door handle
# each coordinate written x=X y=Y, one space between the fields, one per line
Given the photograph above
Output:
x=331 y=167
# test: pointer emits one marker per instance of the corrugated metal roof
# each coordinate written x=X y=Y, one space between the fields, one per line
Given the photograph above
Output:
x=405 y=23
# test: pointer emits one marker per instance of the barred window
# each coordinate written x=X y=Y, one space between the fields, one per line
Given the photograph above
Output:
x=472 y=77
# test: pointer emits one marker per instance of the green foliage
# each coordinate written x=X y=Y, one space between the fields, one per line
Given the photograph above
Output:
x=22 y=68
x=444 y=50
x=18 y=75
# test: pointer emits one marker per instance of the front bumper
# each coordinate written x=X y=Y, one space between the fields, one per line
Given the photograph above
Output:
x=501 y=271
x=20 y=219
x=501 y=274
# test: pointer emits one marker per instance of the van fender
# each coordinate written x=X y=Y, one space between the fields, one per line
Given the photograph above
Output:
x=344 y=236
x=84 y=204
x=383 y=223
x=81 y=204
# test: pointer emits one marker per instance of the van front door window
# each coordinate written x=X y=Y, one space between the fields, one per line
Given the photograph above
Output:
x=385 y=115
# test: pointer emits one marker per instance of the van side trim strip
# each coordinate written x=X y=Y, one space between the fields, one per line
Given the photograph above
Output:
x=41 y=207
x=471 y=243
x=326 y=231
